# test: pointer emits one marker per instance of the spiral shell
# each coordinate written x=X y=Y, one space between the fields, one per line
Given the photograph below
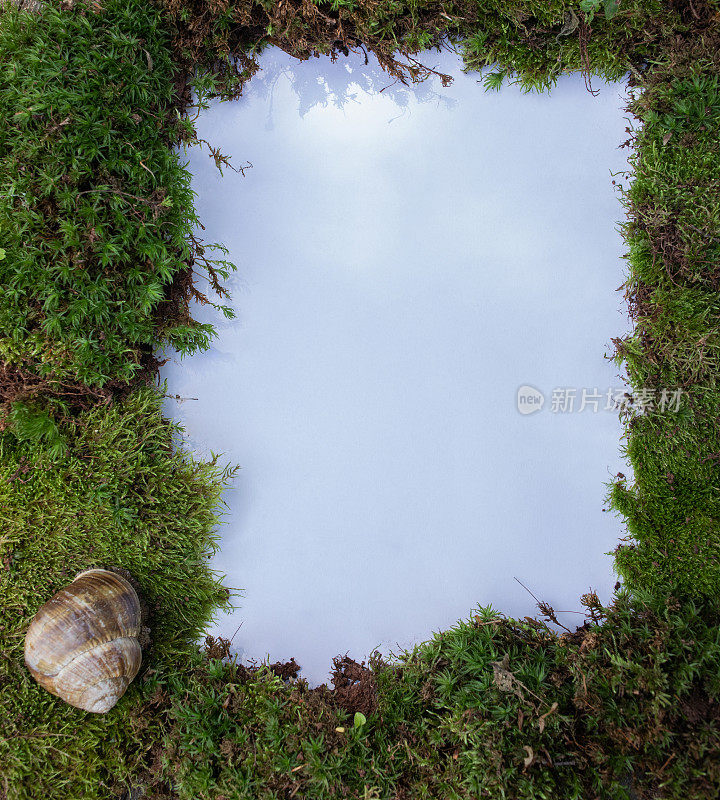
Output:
x=82 y=645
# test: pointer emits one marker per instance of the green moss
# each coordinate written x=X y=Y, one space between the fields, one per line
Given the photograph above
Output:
x=97 y=209
x=121 y=496
x=96 y=223
x=490 y=708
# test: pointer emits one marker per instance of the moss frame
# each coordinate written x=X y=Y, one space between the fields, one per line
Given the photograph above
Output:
x=96 y=266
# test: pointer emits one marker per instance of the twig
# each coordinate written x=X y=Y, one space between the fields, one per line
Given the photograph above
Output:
x=526 y=589
x=545 y=609
x=237 y=629
x=667 y=762
x=141 y=163
x=178 y=397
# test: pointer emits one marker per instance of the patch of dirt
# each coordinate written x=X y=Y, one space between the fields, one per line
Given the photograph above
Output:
x=355 y=688
x=286 y=670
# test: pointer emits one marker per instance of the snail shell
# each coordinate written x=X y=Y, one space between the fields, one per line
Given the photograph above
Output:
x=82 y=645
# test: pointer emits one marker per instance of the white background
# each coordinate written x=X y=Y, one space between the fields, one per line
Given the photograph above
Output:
x=407 y=259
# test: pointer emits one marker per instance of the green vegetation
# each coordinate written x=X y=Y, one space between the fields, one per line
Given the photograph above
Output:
x=122 y=497
x=493 y=708
x=96 y=209
x=97 y=255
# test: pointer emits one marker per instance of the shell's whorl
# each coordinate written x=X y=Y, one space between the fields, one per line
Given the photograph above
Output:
x=83 y=645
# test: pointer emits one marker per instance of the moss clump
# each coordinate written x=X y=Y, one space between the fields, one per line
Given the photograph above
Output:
x=97 y=212
x=627 y=706
x=119 y=495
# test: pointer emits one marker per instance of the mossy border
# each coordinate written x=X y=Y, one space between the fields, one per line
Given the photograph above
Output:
x=494 y=707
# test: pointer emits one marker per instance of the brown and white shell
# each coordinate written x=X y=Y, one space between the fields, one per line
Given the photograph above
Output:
x=83 y=644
